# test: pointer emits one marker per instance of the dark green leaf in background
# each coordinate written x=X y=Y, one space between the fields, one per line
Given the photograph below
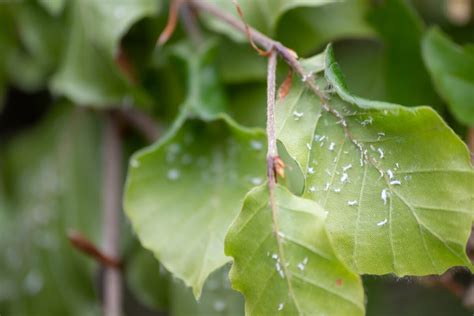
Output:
x=452 y=71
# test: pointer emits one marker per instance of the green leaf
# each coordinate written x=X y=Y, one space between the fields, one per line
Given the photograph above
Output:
x=183 y=193
x=54 y=7
x=406 y=80
x=205 y=97
x=452 y=71
x=262 y=15
x=307 y=29
x=49 y=176
x=397 y=182
x=88 y=74
x=287 y=265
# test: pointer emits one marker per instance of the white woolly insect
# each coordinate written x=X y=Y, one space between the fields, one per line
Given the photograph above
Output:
x=395 y=182
x=326 y=187
x=301 y=266
x=381 y=153
x=384 y=196
x=337 y=190
x=344 y=178
x=382 y=222
x=312 y=189
x=310 y=170
x=345 y=168
x=298 y=115
x=352 y=203
x=332 y=146
x=280 y=306
x=390 y=174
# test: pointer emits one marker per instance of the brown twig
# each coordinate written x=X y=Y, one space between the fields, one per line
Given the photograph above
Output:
x=111 y=191
x=171 y=24
x=261 y=52
x=80 y=242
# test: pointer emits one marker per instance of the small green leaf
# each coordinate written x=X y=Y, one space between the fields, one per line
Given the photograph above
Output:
x=262 y=15
x=307 y=29
x=452 y=71
x=397 y=182
x=286 y=265
x=183 y=193
x=88 y=74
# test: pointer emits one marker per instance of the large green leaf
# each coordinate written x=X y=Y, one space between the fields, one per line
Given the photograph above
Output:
x=88 y=74
x=397 y=182
x=284 y=262
x=183 y=193
x=452 y=71
x=262 y=15
x=49 y=176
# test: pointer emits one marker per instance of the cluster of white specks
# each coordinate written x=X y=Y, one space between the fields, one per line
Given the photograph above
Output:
x=345 y=178
x=278 y=266
x=308 y=145
x=312 y=189
x=302 y=264
x=310 y=170
x=256 y=145
x=380 y=153
x=256 y=180
x=352 y=203
x=135 y=163
x=219 y=306
x=173 y=174
x=307 y=76
x=347 y=167
x=332 y=146
x=368 y=121
x=298 y=115
x=280 y=306
x=382 y=223
x=384 y=196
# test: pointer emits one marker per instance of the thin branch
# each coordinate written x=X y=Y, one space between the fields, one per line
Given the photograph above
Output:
x=111 y=191
x=286 y=53
x=272 y=152
x=80 y=242
x=171 y=24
